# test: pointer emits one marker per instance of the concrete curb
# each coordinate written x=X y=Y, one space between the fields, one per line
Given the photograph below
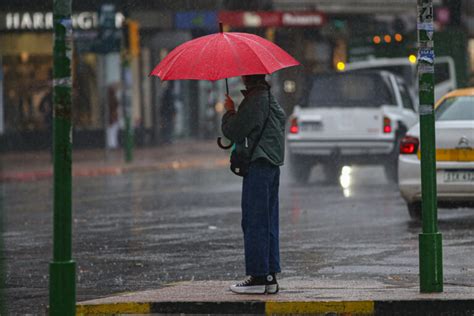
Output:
x=297 y=296
x=343 y=308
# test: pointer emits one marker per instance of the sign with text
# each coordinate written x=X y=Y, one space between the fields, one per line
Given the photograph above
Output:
x=272 y=18
x=43 y=21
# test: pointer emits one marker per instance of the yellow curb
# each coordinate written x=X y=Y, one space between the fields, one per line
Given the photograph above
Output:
x=349 y=308
x=110 y=309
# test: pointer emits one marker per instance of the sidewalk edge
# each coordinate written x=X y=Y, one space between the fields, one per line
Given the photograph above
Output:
x=378 y=307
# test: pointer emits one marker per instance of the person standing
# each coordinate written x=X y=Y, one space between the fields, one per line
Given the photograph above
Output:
x=168 y=113
x=258 y=114
x=114 y=125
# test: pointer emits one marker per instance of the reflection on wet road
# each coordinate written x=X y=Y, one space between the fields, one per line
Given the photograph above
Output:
x=139 y=231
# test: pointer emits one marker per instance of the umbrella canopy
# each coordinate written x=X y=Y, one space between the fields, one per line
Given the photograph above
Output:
x=223 y=55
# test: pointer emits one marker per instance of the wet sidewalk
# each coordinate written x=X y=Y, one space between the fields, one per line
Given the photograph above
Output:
x=30 y=166
x=297 y=296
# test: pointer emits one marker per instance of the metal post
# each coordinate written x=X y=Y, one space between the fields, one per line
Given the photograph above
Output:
x=431 y=261
x=62 y=287
x=126 y=93
x=105 y=102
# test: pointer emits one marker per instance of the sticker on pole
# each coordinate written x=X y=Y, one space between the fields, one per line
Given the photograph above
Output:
x=426 y=55
x=430 y=35
x=67 y=24
x=425 y=27
x=425 y=12
x=426 y=109
x=425 y=69
x=62 y=82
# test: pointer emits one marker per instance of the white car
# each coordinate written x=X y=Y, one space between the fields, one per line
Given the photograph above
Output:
x=445 y=72
x=349 y=118
x=454 y=154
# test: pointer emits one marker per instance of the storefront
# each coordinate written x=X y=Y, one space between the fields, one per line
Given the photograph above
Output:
x=26 y=54
x=192 y=112
x=158 y=38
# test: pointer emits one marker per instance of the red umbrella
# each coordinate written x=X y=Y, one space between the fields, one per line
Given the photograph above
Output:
x=223 y=55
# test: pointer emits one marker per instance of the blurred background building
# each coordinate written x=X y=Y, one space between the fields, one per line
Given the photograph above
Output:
x=322 y=34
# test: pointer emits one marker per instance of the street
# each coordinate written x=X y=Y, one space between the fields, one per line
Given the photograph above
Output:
x=142 y=230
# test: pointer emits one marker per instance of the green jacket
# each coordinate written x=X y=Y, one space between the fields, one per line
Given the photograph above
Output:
x=244 y=126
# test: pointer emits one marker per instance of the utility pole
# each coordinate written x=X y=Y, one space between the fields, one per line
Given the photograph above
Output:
x=62 y=270
x=431 y=260
x=126 y=86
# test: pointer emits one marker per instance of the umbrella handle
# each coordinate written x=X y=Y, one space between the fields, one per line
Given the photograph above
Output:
x=219 y=143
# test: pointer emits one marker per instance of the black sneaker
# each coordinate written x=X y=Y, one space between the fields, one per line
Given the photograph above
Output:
x=271 y=285
x=252 y=285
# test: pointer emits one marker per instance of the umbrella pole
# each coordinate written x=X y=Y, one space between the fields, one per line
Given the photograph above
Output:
x=226 y=87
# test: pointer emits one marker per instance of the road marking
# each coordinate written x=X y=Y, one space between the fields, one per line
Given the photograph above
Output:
x=117 y=308
x=355 y=307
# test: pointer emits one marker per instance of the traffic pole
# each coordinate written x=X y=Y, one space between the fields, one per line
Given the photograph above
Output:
x=431 y=261
x=62 y=270
x=126 y=91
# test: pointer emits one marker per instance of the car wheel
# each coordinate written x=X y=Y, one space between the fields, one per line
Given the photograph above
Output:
x=300 y=168
x=414 y=209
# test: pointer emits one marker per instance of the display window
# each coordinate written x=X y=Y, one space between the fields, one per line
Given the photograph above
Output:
x=27 y=88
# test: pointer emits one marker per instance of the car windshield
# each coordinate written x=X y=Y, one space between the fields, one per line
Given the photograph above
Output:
x=456 y=109
x=405 y=71
x=348 y=90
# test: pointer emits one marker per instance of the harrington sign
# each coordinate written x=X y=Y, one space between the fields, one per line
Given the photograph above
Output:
x=38 y=21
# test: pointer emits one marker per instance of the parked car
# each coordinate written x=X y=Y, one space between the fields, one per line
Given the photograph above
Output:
x=445 y=72
x=349 y=118
x=454 y=115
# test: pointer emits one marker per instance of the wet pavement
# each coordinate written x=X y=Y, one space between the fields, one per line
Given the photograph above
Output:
x=142 y=230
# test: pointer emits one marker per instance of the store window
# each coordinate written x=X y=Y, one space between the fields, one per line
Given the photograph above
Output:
x=86 y=111
x=27 y=85
x=27 y=65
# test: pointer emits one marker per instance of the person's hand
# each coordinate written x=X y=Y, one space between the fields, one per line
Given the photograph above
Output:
x=228 y=103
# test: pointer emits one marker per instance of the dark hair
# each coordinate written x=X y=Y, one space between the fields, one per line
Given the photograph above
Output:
x=255 y=79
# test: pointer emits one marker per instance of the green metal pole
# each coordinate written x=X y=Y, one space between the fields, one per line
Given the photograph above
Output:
x=62 y=287
x=431 y=260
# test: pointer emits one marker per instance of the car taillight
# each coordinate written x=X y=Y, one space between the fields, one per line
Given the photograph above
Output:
x=409 y=145
x=294 y=129
x=387 y=125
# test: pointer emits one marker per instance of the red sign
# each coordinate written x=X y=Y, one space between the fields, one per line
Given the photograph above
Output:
x=303 y=19
x=271 y=18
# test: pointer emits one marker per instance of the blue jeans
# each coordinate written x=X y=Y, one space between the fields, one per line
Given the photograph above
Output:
x=260 y=218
